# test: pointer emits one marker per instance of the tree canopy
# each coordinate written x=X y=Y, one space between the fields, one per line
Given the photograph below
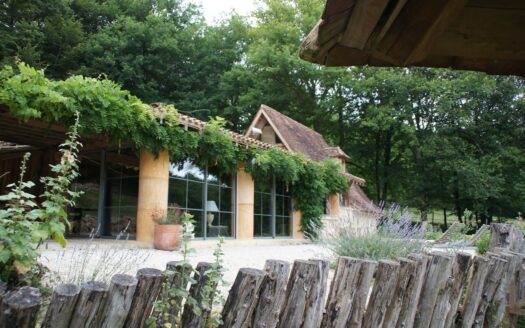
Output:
x=428 y=138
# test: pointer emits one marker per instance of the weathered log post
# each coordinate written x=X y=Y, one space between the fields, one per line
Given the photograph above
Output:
x=178 y=279
x=366 y=274
x=242 y=298
x=148 y=288
x=517 y=294
x=382 y=293
x=303 y=295
x=500 y=302
x=189 y=318
x=120 y=297
x=90 y=303
x=61 y=306
x=407 y=269
x=506 y=236
x=413 y=293
x=438 y=274
x=480 y=270
x=496 y=272
x=344 y=291
x=20 y=308
x=460 y=272
x=315 y=316
x=272 y=294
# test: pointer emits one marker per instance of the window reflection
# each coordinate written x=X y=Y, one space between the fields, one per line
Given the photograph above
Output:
x=264 y=215
x=188 y=188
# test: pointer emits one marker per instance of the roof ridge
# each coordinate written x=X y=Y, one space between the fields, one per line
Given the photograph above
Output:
x=264 y=107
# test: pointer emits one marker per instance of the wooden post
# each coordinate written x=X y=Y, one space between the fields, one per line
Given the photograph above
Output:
x=189 y=318
x=407 y=269
x=178 y=273
x=382 y=293
x=343 y=291
x=480 y=269
x=315 y=316
x=438 y=273
x=61 y=306
x=366 y=273
x=302 y=295
x=271 y=297
x=413 y=293
x=500 y=302
x=517 y=294
x=148 y=288
x=120 y=296
x=242 y=298
x=90 y=303
x=459 y=274
x=496 y=272
x=20 y=308
x=506 y=236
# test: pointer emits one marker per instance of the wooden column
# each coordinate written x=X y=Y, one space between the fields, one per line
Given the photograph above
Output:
x=333 y=202
x=296 y=225
x=153 y=191
x=245 y=204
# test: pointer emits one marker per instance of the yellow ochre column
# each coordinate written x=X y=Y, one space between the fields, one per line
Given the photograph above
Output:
x=296 y=225
x=153 y=191
x=245 y=204
x=333 y=202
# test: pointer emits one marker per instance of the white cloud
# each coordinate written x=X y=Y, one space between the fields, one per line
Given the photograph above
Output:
x=213 y=9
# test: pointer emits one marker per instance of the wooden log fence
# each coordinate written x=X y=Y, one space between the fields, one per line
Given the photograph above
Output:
x=432 y=290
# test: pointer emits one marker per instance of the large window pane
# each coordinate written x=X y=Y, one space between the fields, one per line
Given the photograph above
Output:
x=177 y=193
x=226 y=199
x=187 y=185
x=195 y=195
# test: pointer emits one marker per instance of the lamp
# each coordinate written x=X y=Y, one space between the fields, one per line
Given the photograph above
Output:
x=211 y=207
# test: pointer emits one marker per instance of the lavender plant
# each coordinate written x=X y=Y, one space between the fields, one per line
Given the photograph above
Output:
x=396 y=235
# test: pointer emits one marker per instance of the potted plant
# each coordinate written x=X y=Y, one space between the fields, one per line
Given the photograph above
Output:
x=168 y=230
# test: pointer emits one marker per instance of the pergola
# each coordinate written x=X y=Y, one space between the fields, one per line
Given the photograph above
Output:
x=481 y=35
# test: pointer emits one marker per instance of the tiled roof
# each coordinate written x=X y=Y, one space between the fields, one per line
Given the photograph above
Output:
x=298 y=137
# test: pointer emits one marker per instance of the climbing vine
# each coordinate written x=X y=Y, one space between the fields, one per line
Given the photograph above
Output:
x=108 y=111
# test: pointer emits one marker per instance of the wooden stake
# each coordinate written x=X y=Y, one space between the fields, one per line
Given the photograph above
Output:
x=120 y=297
x=20 y=308
x=382 y=293
x=61 y=306
x=242 y=298
x=148 y=288
x=90 y=303
x=273 y=292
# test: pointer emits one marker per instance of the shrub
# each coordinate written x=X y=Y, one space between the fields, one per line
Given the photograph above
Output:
x=25 y=224
x=482 y=245
x=396 y=236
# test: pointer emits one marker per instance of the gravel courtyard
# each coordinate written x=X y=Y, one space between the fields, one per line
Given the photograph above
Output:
x=84 y=258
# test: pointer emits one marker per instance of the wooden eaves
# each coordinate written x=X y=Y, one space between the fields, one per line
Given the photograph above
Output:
x=481 y=35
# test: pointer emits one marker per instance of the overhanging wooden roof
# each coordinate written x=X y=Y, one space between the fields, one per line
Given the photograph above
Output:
x=481 y=35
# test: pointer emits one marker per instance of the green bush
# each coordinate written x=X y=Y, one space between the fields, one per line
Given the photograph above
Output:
x=482 y=245
x=26 y=222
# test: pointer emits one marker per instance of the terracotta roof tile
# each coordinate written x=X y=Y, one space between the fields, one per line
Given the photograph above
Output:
x=300 y=138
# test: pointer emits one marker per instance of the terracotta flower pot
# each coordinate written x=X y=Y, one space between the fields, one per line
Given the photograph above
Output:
x=167 y=237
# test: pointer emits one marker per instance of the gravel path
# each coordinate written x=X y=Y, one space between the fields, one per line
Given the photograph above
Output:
x=84 y=258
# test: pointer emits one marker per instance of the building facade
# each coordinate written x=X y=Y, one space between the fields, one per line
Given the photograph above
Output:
x=122 y=192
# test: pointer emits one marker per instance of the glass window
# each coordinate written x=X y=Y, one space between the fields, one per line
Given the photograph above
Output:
x=265 y=216
x=188 y=186
x=121 y=200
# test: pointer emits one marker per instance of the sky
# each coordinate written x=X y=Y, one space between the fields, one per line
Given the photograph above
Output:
x=214 y=8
